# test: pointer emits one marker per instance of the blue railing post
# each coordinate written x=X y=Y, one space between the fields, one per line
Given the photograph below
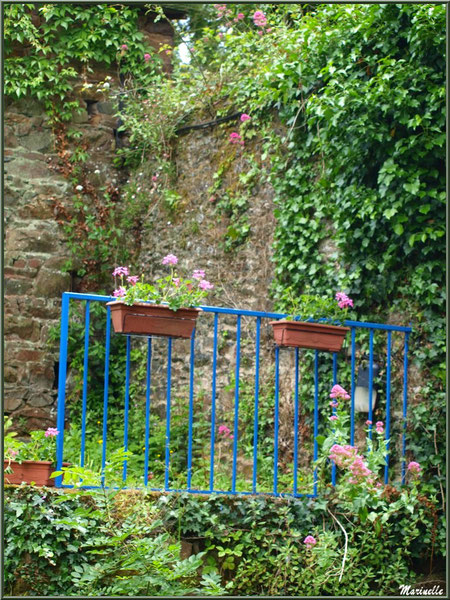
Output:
x=316 y=415
x=333 y=464
x=405 y=404
x=126 y=407
x=255 y=416
x=388 y=405
x=191 y=411
x=213 y=406
x=370 y=415
x=106 y=391
x=62 y=374
x=236 y=403
x=296 y=410
x=352 y=393
x=169 y=384
x=276 y=420
x=85 y=381
x=147 y=408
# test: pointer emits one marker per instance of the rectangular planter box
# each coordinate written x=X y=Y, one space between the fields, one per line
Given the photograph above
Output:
x=29 y=470
x=153 y=319
x=317 y=336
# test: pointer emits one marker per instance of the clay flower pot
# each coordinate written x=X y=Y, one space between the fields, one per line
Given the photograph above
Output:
x=153 y=319
x=37 y=471
x=318 y=336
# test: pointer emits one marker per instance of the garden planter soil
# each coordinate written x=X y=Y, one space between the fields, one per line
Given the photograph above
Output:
x=318 y=336
x=153 y=319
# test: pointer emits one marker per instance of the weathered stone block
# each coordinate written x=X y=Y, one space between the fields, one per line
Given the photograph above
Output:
x=40 y=208
x=24 y=327
x=28 y=169
x=52 y=283
x=18 y=286
x=38 y=141
x=31 y=240
x=12 y=403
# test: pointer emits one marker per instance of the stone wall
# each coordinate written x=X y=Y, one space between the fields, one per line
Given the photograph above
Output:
x=35 y=245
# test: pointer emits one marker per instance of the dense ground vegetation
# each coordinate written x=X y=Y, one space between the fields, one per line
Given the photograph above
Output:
x=347 y=109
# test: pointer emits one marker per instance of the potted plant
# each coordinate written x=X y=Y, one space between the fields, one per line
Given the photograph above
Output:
x=312 y=321
x=29 y=462
x=164 y=308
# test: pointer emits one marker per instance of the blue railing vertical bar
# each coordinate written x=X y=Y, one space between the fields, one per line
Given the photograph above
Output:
x=191 y=411
x=147 y=408
x=126 y=406
x=405 y=404
x=236 y=403
x=213 y=404
x=333 y=464
x=168 y=399
x=169 y=481
x=316 y=415
x=85 y=380
x=256 y=413
x=352 y=385
x=106 y=391
x=62 y=375
x=388 y=404
x=296 y=410
x=276 y=420
x=370 y=415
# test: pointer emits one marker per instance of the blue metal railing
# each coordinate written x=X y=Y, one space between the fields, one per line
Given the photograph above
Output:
x=252 y=485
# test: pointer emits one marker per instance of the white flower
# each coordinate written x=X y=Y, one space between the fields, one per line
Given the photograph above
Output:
x=79 y=188
x=97 y=171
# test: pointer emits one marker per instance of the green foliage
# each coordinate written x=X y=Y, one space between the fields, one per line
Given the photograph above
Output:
x=310 y=306
x=67 y=36
x=90 y=544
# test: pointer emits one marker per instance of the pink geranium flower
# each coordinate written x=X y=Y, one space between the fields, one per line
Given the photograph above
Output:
x=120 y=271
x=51 y=431
x=120 y=292
x=147 y=57
x=310 y=541
x=205 y=285
x=414 y=467
x=245 y=117
x=259 y=18
x=133 y=279
x=170 y=259
x=198 y=274
x=343 y=300
x=338 y=392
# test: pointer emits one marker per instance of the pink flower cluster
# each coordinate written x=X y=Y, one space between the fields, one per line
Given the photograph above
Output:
x=310 y=541
x=170 y=259
x=120 y=271
x=347 y=457
x=260 y=19
x=338 y=392
x=222 y=10
x=379 y=425
x=51 y=431
x=245 y=117
x=198 y=274
x=343 y=300
x=225 y=432
x=414 y=467
x=235 y=138
x=147 y=57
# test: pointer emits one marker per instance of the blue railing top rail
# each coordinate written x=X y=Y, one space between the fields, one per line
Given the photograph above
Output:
x=249 y=313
